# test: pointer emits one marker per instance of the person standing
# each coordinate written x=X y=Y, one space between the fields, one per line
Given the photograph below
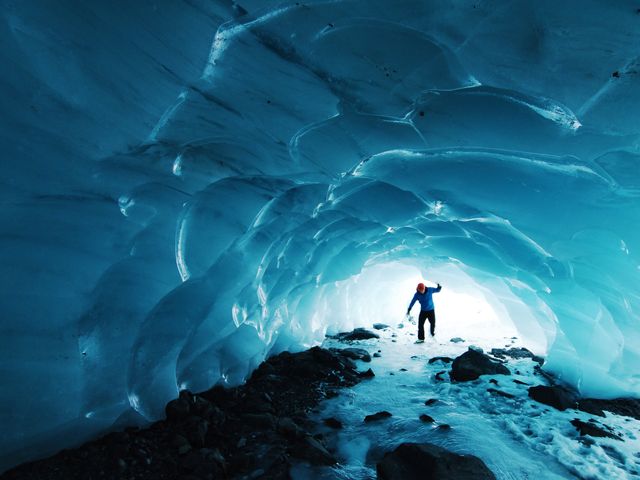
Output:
x=427 y=310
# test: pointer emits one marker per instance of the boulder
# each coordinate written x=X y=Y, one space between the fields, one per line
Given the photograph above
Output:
x=592 y=429
x=457 y=340
x=471 y=364
x=357 y=334
x=333 y=422
x=627 y=407
x=377 y=416
x=500 y=393
x=555 y=396
x=380 y=326
x=426 y=418
x=516 y=353
x=366 y=374
x=355 y=354
x=441 y=359
x=419 y=461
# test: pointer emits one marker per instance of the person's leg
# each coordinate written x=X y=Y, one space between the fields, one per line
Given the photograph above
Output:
x=431 y=315
x=421 y=318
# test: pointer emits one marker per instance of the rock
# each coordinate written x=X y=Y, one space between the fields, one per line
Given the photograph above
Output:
x=377 y=416
x=518 y=382
x=311 y=450
x=333 y=423
x=259 y=420
x=177 y=409
x=555 y=396
x=440 y=359
x=494 y=381
x=403 y=369
x=500 y=393
x=355 y=354
x=377 y=355
x=627 y=407
x=414 y=461
x=426 y=418
x=290 y=429
x=367 y=374
x=592 y=429
x=445 y=427
x=457 y=340
x=516 y=353
x=431 y=401
x=380 y=326
x=356 y=334
x=181 y=444
x=471 y=364
x=439 y=375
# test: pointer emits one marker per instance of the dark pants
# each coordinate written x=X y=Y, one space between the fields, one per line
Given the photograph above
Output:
x=424 y=314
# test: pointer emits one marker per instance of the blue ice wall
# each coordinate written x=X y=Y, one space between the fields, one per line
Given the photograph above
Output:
x=185 y=182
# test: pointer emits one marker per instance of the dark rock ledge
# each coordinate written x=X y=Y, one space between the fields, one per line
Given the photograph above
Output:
x=256 y=430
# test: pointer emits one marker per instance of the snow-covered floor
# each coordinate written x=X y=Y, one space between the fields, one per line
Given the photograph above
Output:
x=517 y=438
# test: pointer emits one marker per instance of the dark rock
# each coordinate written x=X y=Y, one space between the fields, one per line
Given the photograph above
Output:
x=592 y=429
x=377 y=355
x=627 y=407
x=313 y=451
x=333 y=423
x=195 y=430
x=445 y=427
x=440 y=359
x=413 y=461
x=426 y=418
x=367 y=374
x=555 y=396
x=377 y=416
x=439 y=375
x=354 y=353
x=519 y=382
x=177 y=409
x=403 y=369
x=494 y=381
x=457 y=340
x=516 y=353
x=289 y=428
x=500 y=393
x=380 y=326
x=471 y=364
x=431 y=401
x=356 y=334
x=259 y=420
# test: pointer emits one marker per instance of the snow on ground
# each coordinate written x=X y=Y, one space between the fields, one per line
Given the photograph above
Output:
x=517 y=438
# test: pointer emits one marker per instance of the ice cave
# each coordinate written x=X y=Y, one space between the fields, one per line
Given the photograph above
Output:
x=191 y=187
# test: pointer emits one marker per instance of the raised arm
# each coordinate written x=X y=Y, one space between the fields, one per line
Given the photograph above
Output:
x=436 y=290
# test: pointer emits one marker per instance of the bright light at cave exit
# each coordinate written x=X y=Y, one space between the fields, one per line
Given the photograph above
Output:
x=464 y=308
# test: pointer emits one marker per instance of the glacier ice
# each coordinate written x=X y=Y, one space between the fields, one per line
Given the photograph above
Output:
x=191 y=186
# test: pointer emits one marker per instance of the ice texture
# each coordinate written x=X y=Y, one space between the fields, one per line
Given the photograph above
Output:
x=191 y=186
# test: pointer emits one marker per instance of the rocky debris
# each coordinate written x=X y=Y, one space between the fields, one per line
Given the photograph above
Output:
x=377 y=416
x=500 y=393
x=592 y=429
x=471 y=364
x=380 y=326
x=439 y=376
x=520 y=382
x=366 y=374
x=627 y=407
x=426 y=418
x=353 y=353
x=333 y=423
x=255 y=430
x=440 y=359
x=356 y=334
x=418 y=461
x=555 y=396
x=457 y=340
x=516 y=353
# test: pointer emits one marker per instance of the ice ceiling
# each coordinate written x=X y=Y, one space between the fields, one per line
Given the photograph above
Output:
x=188 y=186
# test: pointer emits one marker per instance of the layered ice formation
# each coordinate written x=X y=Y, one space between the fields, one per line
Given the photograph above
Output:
x=191 y=186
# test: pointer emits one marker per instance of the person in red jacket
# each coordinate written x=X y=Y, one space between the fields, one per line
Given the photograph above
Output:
x=427 y=310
